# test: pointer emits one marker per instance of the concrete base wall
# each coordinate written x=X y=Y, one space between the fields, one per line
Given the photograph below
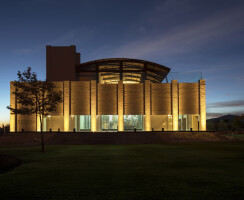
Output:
x=71 y=138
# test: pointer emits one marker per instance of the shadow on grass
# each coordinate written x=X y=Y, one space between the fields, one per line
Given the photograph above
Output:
x=7 y=163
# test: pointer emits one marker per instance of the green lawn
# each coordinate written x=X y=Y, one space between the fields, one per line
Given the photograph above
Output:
x=177 y=171
x=237 y=136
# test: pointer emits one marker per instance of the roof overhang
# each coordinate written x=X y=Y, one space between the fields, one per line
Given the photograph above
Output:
x=154 y=71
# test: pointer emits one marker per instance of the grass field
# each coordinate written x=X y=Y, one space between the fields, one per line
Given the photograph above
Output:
x=238 y=136
x=176 y=171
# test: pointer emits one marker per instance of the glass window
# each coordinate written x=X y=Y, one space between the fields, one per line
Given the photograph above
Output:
x=83 y=122
x=161 y=121
x=53 y=122
x=186 y=122
x=108 y=122
x=133 y=121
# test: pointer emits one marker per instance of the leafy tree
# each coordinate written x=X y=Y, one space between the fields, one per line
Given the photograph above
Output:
x=237 y=122
x=35 y=97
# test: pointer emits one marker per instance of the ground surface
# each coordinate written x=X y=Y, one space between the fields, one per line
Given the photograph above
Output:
x=235 y=136
x=102 y=138
x=173 y=171
x=8 y=163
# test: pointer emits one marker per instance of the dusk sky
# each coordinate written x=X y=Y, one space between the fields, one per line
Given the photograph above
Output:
x=185 y=35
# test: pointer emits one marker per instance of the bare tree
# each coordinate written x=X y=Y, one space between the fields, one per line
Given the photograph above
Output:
x=35 y=97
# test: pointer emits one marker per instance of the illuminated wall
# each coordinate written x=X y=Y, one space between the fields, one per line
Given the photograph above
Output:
x=93 y=105
x=202 y=98
x=188 y=122
x=162 y=121
x=175 y=104
x=147 y=95
x=54 y=122
x=13 y=120
x=66 y=102
x=172 y=106
x=120 y=106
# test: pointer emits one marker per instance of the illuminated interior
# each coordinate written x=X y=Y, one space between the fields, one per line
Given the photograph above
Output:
x=110 y=122
x=128 y=70
x=162 y=121
x=107 y=122
x=133 y=121
x=53 y=122
x=186 y=122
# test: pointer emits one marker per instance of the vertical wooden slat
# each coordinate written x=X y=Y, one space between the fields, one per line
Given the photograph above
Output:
x=93 y=105
x=133 y=99
x=202 y=105
x=80 y=98
x=188 y=98
x=120 y=106
x=107 y=99
x=161 y=98
x=175 y=111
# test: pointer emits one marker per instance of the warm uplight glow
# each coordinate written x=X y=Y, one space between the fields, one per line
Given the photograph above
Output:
x=120 y=107
x=12 y=104
x=130 y=82
x=203 y=124
x=147 y=123
x=66 y=123
x=93 y=123
x=93 y=106
x=202 y=90
x=147 y=106
x=38 y=123
x=12 y=123
x=66 y=105
x=175 y=104
x=169 y=121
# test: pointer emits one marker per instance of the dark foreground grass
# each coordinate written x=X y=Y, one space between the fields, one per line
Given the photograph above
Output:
x=237 y=136
x=178 y=171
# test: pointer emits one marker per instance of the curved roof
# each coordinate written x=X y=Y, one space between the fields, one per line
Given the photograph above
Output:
x=132 y=69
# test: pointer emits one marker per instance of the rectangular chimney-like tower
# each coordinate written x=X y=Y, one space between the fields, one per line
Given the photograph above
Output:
x=61 y=63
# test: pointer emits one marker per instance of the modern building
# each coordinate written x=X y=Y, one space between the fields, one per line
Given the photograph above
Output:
x=116 y=94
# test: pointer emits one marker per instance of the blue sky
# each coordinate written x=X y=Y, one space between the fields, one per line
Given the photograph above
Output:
x=185 y=35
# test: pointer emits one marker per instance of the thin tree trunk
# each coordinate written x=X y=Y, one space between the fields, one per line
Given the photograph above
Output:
x=42 y=137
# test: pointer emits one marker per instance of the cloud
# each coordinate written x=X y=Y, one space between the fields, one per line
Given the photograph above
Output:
x=70 y=37
x=226 y=104
x=67 y=38
x=41 y=2
x=215 y=115
x=184 y=39
x=22 y=51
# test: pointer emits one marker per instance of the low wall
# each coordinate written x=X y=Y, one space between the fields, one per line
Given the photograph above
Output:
x=71 y=138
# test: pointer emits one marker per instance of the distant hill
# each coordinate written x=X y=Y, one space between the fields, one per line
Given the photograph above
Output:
x=229 y=117
x=226 y=122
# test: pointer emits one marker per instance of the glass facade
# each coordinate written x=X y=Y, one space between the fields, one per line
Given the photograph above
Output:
x=84 y=123
x=80 y=123
x=133 y=121
x=53 y=122
x=161 y=121
x=110 y=122
x=107 y=122
x=186 y=122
